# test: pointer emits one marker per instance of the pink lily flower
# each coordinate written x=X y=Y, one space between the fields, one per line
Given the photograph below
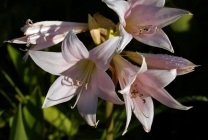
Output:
x=144 y=20
x=47 y=33
x=139 y=86
x=163 y=62
x=82 y=74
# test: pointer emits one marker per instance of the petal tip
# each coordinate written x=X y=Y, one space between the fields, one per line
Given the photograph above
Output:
x=124 y=132
x=146 y=129
x=187 y=108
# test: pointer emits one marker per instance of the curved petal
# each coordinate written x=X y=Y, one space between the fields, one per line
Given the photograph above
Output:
x=87 y=105
x=156 y=16
x=59 y=93
x=144 y=111
x=20 y=40
x=158 y=39
x=103 y=53
x=162 y=96
x=45 y=40
x=168 y=62
x=73 y=49
x=126 y=38
x=51 y=62
x=126 y=72
x=52 y=26
x=104 y=88
x=128 y=105
x=158 y=3
x=120 y=7
x=158 y=78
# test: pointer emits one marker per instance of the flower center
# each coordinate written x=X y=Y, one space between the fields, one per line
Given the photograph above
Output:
x=141 y=30
x=135 y=93
x=82 y=74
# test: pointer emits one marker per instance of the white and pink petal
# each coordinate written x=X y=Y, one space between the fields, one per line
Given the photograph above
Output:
x=73 y=49
x=59 y=92
x=102 y=54
x=51 y=62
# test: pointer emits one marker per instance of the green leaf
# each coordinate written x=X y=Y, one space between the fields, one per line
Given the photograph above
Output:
x=33 y=116
x=18 y=130
x=19 y=63
x=183 y=24
x=60 y=121
x=16 y=58
x=1 y=112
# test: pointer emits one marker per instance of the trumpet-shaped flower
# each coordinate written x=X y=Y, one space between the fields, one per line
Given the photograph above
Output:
x=139 y=86
x=46 y=33
x=144 y=20
x=163 y=62
x=82 y=73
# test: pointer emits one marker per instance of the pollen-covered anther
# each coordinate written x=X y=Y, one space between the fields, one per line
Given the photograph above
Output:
x=134 y=93
x=67 y=82
x=149 y=29
x=144 y=101
x=141 y=95
x=28 y=42
x=29 y=22
x=78 y=83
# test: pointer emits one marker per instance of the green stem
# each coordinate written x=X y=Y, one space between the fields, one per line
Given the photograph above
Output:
x=9 y=79
x=110 y=121
x=8 y=98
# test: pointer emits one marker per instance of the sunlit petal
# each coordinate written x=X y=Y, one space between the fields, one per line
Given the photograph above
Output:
x=73 y=49
x=103 y=53
x=126 y=38
x=128 y=105
x=158 y=78
x=105 y=88
x=157 y=16
x=159 y=39
x=51 y=62
x=144 y=111
x=158 y=3
x=59 y=93
x=162 y=96
x=120 y=7
x=53 y=26
x=87 y=106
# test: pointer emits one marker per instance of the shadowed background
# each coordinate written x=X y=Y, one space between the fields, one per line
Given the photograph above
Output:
x=188 y=36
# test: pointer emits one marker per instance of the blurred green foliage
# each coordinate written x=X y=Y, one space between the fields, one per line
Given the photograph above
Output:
x=23 y=85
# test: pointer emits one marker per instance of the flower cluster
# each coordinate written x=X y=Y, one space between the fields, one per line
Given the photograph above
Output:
x=82 y=72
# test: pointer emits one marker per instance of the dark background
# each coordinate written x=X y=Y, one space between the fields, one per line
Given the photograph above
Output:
x=190 y=89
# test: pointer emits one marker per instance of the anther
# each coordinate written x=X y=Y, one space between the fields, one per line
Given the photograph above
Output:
x=86 y=86
x=141 y=95
x=78 y=83
x=29 y=22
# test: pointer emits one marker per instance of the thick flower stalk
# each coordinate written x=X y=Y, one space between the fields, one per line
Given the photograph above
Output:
x=82 y=74
x=47 y=33
x=163 y=62
x=144 y=20
x=139 y=86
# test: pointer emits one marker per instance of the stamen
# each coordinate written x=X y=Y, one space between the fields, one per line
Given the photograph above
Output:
x=59 y=98
x=29 y=22
x=79 y=83
x=96 y=123
x=66 y=82
x=24 y=50
x=144 y=101
x=78 y=96
x=149 y=29
x=86 y=86
x=141 y=95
